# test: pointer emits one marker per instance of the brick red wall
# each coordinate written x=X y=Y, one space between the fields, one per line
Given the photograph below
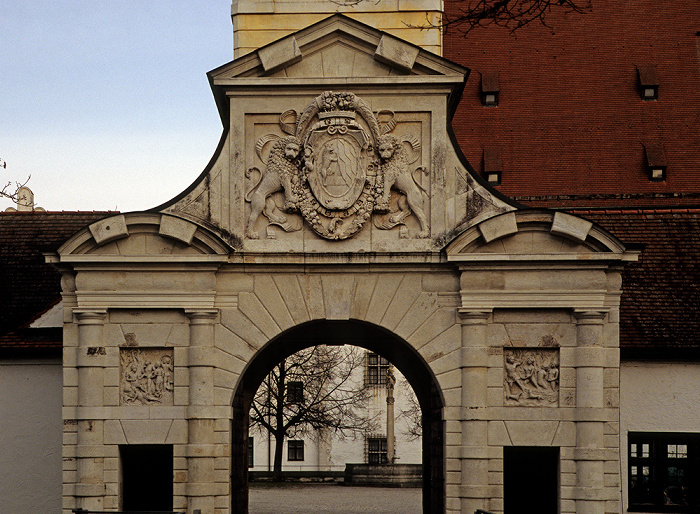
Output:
x=570 y=119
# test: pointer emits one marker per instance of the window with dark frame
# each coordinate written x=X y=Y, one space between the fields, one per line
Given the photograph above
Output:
x=664 y=470
x=376 y=450
x=251 y=445
x=295 y=392
x=376 y=369
x=295 y=450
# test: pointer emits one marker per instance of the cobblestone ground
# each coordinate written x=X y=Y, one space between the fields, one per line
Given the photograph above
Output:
x=332 y=498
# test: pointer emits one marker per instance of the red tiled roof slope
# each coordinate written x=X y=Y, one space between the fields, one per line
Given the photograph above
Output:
x=29 y=286
x=570 y=118
x=660 y=305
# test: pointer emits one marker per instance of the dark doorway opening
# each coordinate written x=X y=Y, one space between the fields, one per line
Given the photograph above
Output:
x=355 y=333
x=531 y=479
x=147 y=477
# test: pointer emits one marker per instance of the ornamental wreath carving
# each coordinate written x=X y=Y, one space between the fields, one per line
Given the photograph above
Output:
x=531 y=377
x=336 y=168
x=146 y=376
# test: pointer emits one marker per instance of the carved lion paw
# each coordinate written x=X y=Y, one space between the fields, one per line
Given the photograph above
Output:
x=381 y=207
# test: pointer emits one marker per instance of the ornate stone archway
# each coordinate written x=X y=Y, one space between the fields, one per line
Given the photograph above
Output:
x=356 y=333
x=336 y=197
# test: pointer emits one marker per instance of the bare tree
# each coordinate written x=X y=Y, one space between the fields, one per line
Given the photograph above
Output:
x=412 y=413
x=312 y=390
x=11 y=189
x=468 y=15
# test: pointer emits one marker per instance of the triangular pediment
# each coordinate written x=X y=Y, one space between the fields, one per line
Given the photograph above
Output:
x=338 y=47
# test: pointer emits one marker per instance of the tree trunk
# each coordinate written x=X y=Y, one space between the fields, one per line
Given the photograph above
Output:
x=279 y=423
x=279 y=450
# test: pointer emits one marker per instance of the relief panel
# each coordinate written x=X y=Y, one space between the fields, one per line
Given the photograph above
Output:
x=146 y=376
x=334 y=166
x=531 y=377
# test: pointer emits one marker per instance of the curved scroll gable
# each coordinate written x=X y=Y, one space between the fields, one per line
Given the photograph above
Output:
x=144 y=235
x=538 y=233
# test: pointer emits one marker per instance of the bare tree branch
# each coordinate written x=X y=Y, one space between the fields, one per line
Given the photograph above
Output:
x=511 y=14
x=11 y=189
x=333 y=399
x=413 y=414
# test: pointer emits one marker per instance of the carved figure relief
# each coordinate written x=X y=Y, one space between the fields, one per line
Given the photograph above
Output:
x=280 y=171
x=398 y=175
x=337 y=167
x=146 y=376
x=531 y=377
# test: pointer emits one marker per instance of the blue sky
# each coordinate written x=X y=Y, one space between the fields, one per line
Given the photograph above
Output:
x=106 y=104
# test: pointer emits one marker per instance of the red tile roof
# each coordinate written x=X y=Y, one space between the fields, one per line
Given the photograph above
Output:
x=29 y=286
x=660 y=306
x=570 y=118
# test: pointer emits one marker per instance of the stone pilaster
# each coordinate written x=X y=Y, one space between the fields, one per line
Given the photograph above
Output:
x=201 y=448
x=590 y=452
x=90 y=362
x=474 y=491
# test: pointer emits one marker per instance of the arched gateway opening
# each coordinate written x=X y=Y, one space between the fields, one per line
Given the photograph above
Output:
x=345 y=332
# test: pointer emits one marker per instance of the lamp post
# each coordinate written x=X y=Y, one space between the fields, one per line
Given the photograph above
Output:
x=390 y=382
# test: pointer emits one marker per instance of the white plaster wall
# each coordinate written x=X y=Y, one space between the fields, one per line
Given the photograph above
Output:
x=656 y=397
x=350 y=449
x=30 y=446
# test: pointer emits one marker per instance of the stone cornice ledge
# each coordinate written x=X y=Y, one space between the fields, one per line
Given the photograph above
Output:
x=545 y=299
x=156 y=299
x=336 y=258
x=318 y=82
x=547 y=257
x=140 y=259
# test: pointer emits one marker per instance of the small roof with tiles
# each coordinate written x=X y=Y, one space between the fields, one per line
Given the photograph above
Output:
x=660 y=305
x=29 y=286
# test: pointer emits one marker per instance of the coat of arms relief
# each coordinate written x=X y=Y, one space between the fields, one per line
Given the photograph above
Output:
x=337 y=167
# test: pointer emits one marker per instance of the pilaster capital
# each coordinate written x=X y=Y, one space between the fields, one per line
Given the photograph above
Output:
x=201 y=316
x=590 y=317
x=474 y=317
x=90 y=316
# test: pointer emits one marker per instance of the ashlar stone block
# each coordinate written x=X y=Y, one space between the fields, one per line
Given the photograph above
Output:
x=109 y=229
x=396 y=52
x=405 y=296
x=498 y=434
x=570 y=226
x=283 y=52
x=146 y=431
x=177 y=228
x=425 y=305
x=532 y=433
x=336 y=295
x=498 y=227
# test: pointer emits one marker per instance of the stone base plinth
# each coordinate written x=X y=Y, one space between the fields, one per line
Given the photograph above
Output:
x=386 y=475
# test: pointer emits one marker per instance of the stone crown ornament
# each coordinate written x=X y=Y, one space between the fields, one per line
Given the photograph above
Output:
x=336 y=167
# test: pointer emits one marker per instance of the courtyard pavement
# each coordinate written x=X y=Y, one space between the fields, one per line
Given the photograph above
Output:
x=331 y=498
